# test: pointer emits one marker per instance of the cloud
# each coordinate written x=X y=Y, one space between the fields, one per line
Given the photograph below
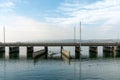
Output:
x=7 y=4
x=20 y=28
x=93 y=13
x=98 y=17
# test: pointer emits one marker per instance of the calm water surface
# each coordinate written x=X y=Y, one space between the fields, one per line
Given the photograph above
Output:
x=58 y=69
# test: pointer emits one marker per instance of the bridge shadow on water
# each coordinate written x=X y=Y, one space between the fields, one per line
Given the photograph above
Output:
x=14 y=56
x=2 y=55
x=117 y=54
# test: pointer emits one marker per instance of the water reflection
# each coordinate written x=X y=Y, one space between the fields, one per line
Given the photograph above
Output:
x=66 y=59
x=58 y=69
x=35 y=69
x=55 y=68
x=117 y=54
x=2 y=55
x=29 y=55
x=35 y=60
x=14 y=55
x=108 y=54
x=93 y=54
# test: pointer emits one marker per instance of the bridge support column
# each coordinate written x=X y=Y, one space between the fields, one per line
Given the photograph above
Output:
x=113 y=51
x=30 y=51
x=46 y=52
x=93 y=51
x=77 y=52
x=2 y=52
x=14 y=52
x=2 y=49
x=118 y=51
x=61 y=51
x=108 y=51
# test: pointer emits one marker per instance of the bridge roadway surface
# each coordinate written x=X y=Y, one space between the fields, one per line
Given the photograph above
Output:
x=59 y=44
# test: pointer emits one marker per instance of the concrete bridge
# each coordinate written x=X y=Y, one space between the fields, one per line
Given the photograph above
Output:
x=59 y=44
x=14 y=48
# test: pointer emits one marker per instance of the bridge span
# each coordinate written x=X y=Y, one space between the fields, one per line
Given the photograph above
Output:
x=59 y=44
x=108 y=49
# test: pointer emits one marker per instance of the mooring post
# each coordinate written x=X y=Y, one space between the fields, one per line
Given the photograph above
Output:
x=77 y=52
x=46 y=52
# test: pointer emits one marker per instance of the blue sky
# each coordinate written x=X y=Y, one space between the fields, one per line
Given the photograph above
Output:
x=27 y=20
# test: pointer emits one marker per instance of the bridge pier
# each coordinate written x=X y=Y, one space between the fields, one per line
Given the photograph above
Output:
x=2 y=49
x=118 y=51
x=2 y=52
x=29 y=51
x=108 y=51
x=77 y=52
x=93 y=51
x=46 y=52
x=13 y=49
x=61 y=51
x=14 y=52
x=2 y=55
x=118 y=48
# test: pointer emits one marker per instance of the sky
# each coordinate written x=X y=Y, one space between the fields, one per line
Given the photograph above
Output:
x=39 y=20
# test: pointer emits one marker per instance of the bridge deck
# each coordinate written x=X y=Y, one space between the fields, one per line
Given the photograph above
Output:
x=59 y=44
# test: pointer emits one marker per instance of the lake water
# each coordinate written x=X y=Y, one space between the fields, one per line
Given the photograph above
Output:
x=59 y=69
